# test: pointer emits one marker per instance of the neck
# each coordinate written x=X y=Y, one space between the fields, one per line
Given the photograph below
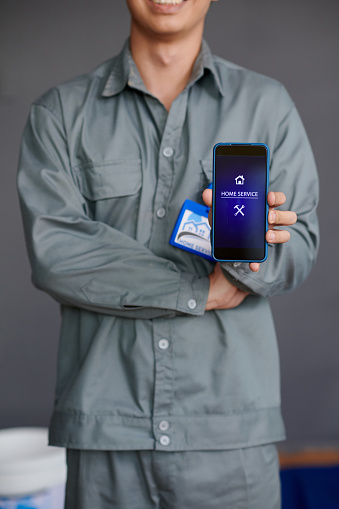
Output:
x=165 y=64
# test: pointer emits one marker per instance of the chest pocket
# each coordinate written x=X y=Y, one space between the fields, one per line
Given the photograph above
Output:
x=112 y=192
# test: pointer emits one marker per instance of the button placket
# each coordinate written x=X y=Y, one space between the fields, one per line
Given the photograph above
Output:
x=166 y=169
x=164 y=380
x=163 y=349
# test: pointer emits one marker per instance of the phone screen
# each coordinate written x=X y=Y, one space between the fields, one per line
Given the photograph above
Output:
x=240 y=202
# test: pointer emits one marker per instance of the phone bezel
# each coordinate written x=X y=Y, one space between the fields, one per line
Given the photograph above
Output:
x=247 y=255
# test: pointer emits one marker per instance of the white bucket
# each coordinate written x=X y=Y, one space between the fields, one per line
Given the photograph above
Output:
x=32 y=474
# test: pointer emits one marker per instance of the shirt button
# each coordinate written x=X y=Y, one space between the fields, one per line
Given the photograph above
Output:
x=165 y=440
x=192 y=304
x=236 y=264
x=161 y=212
x=163 y=344
x=164 y=425
x=168 y=152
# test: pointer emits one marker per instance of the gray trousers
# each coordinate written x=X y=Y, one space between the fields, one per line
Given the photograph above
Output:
x=236 y=479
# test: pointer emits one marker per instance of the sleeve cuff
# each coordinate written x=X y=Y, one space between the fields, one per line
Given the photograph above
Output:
x=241 y=276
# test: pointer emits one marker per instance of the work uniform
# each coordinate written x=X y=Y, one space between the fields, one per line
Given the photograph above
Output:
x=104 y=171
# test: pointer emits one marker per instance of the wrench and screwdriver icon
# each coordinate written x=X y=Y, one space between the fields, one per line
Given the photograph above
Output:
x=239 y=210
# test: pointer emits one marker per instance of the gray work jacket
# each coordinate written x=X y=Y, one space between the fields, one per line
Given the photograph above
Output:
x=103 y=173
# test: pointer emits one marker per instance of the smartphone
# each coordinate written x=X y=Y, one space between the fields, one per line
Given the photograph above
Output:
x=240 y=209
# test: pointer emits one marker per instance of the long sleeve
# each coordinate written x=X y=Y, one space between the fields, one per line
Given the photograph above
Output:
x=82 y=262
x=293 y=172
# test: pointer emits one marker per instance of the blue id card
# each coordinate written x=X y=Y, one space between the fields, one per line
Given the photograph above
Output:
x=192 y=231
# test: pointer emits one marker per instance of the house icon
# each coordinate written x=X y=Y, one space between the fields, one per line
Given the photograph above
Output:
x=201 y=229
x=239 y=180
x=190 y=226
x=204 y=230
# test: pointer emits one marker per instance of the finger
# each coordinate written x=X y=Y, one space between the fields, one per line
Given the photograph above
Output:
x=282 y=217
x=254 y=267
x=275 y=199
x=207 y=197
x=277 y=236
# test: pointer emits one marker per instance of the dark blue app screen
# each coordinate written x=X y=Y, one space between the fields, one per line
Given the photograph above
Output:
x=240 y=202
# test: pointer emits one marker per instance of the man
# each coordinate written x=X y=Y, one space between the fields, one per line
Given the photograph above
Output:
x=168 y=374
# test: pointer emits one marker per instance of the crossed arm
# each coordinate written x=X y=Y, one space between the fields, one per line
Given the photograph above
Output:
x=90 y=265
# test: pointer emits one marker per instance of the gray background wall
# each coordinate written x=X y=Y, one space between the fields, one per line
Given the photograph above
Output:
x=295 y=41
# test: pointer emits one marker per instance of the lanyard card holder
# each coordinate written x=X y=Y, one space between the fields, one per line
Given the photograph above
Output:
x=192 y=231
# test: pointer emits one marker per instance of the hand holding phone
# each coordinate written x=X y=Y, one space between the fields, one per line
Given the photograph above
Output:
x=279 y=218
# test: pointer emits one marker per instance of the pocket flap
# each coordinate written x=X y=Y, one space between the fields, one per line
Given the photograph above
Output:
x=111 y=179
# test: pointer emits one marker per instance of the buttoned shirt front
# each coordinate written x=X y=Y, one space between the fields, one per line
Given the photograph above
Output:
x=103 y=173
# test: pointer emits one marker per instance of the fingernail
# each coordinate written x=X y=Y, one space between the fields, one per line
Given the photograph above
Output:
x=271 y=236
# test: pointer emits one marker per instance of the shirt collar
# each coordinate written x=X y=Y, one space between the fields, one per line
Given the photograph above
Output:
x=125 y=72
x=204 y=63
